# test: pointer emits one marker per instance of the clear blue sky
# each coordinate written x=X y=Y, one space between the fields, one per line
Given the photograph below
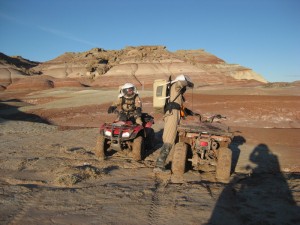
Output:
x=263 y=35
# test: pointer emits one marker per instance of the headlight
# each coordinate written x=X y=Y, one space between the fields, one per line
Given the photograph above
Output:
x=126 y=134
x=107 y=133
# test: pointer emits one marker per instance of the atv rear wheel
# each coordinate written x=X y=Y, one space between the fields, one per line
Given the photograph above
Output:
x=224 y=165
x=101 y=147
x=179 y=158
x=137 y=148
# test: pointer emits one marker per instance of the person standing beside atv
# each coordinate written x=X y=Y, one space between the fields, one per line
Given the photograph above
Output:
x=130 y=102
x=172 y=117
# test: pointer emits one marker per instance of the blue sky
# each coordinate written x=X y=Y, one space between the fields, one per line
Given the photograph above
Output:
x=263 y=35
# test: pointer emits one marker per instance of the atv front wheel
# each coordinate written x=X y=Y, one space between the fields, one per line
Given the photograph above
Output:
x=137 y=148
x=101 y=147
x=179 y=158
x=224 y=165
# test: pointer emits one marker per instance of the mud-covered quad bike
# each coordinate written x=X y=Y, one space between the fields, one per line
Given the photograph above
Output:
x=126 y=135
x=208 y=142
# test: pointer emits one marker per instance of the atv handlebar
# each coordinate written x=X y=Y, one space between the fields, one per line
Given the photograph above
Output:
x=188 y=112
x=209 y=119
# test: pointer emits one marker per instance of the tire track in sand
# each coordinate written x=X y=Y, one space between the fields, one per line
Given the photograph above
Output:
x=29 y=200
x=156 y=215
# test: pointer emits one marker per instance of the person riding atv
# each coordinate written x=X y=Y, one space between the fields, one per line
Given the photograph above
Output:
x=130 y=103
x=131 y=130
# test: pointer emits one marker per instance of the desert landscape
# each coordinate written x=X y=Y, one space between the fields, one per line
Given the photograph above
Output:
x=50 y=114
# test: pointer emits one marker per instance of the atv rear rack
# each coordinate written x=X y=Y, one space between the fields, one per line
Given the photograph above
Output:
x=208 y=128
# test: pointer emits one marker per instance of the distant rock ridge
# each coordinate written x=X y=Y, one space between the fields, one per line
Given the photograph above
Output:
x=140 y=64
x=17 y=61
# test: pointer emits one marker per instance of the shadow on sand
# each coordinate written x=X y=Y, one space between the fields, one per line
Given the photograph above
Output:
x=9 y=110
x=263 y=197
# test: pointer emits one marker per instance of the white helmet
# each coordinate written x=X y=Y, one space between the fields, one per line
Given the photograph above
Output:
x=185 y=78
x=128 y=90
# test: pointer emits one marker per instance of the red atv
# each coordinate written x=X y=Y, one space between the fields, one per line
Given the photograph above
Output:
x=126 y=135
x=208 y=142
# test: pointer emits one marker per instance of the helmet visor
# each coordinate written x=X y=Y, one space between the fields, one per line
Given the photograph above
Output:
x=128 y=91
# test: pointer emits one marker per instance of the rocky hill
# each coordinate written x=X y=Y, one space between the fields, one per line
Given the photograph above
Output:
x=13 y=68
x=139 y=65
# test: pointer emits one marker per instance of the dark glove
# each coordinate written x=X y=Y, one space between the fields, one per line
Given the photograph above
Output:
x=188 y=112
x=111 y=109
x=138 y=112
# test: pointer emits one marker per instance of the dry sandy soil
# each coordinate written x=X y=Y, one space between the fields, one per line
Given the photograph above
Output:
x=49 y=173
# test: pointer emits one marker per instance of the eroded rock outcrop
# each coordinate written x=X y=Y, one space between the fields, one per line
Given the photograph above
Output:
x=14 y=68
x=139 y=65
x=31 y=83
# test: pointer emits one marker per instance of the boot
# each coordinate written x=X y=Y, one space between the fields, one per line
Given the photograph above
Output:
x=160 y=162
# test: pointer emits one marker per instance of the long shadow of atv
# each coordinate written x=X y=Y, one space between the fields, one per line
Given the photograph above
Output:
x=126 y=135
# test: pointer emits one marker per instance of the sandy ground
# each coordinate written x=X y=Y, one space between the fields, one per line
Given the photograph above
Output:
x=49 y=173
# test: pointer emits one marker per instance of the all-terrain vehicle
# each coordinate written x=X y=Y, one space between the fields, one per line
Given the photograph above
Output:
x=208 y=142
x=126 y=135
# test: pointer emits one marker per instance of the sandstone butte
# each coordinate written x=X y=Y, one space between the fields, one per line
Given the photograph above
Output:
x=140 y=65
